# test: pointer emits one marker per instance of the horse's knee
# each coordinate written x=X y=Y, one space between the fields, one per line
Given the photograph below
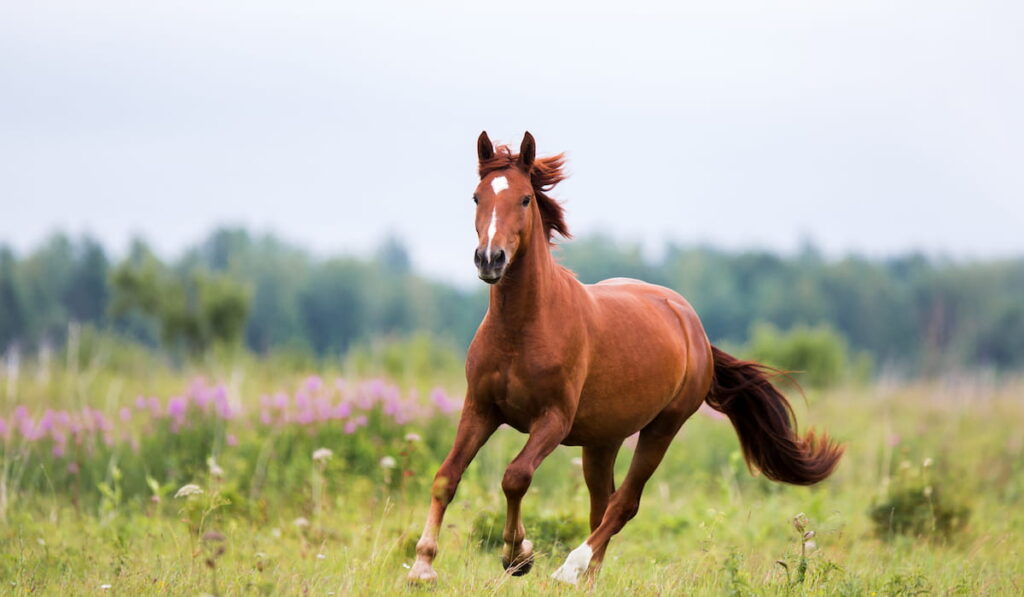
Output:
x=516 y=480
x=445 y=484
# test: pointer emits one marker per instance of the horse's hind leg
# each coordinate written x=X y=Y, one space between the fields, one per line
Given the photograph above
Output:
x=625 y=502
x=599 y=473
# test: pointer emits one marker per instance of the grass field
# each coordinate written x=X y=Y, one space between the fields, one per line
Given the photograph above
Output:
x=88 y=502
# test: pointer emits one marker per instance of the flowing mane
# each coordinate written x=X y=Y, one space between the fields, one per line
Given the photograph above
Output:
x=544 y=175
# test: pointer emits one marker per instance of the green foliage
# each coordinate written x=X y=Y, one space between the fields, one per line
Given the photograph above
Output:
x=910 y=313
x=276 y=521
x=920 y=504
x=61 y=282
x=415 y=357
x=736 y=584
x=555 y=533
x=900 y=585
x=195 y=310
x=817 y=356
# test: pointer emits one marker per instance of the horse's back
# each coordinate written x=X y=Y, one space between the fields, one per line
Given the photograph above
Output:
x=649 y=309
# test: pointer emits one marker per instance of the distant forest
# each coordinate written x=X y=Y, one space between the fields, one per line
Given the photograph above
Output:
x=912 y=313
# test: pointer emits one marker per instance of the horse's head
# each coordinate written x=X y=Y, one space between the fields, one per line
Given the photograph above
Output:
x=506 y=211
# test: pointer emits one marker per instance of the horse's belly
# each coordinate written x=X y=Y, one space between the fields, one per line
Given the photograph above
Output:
x=621 y=397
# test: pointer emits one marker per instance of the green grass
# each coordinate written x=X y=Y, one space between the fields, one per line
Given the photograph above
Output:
x=706 y=526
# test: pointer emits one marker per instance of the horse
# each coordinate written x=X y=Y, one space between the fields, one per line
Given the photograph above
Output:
x=591 y=365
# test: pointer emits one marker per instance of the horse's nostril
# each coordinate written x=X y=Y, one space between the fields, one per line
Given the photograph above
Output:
x=499 y=259
x=478 y=257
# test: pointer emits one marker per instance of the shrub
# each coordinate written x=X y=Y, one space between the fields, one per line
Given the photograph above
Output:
x=919 y=505
x=818 y=355
x=553 y=532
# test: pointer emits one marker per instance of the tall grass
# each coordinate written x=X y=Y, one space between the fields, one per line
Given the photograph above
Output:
x=273 y=519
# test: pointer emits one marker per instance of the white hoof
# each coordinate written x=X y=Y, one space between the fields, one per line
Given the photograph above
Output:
x=422 y=572
x=575 y=565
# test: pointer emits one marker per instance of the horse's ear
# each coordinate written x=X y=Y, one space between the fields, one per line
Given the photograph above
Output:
x=527 y=151
x=484 y=147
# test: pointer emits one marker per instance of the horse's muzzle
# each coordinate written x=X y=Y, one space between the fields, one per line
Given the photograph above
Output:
x=490 y=268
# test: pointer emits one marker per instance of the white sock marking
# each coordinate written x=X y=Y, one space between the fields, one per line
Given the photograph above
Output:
x=499 y=184
x=491 y=229
x=575 y=565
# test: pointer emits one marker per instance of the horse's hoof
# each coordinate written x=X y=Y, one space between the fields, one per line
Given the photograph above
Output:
x=421 y=573
x=523 y=562
x=576 y=564
x=520 y=569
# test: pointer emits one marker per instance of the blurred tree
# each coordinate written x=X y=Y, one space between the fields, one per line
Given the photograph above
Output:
x=13 y=310
x=86 y=293
x=196 y=310
x=393 y=256
x=599 y=257
x=816 y=356
x=913 y=313
x=333 y=305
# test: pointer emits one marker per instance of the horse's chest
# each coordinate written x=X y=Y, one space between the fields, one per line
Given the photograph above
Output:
x=519 y=395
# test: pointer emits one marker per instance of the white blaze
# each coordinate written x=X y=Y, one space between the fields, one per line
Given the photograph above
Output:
x=575 y=565
x=499 y=184
x=491 y=229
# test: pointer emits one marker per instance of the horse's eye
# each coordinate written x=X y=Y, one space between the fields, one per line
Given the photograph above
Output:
x=476 y=200
x=526 y=200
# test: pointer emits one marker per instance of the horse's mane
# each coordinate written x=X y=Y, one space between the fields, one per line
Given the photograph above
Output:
x=544 y=175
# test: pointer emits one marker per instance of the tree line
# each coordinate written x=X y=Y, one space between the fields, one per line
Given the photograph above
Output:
x=911 y=312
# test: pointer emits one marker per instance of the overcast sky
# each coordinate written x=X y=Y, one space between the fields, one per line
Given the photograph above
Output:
x=875 y=127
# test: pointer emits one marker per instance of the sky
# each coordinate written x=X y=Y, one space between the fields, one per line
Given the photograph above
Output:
x=862 y=126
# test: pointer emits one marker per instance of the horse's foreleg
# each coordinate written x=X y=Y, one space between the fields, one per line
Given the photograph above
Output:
x=545 y=435
x=475 y=426
x=599 y=473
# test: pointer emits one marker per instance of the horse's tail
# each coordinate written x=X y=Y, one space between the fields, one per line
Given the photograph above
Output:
x=764 y=420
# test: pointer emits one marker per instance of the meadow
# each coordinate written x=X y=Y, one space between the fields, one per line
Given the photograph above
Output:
x=243 y=476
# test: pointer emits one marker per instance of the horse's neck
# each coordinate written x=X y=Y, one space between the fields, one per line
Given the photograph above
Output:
x=534 y=289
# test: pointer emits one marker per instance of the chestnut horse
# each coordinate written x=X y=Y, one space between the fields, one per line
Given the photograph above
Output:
x=590 y=365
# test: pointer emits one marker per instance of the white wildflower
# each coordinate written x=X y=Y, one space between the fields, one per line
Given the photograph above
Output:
x=388 y=462
x=105 y=587
x=928 y=462
x=322 y=455
x=577 y=461
x=187 y=490
x=215 y=471
x=412 y=437
x=810 y=545
x=301 y=522
x=321 y=556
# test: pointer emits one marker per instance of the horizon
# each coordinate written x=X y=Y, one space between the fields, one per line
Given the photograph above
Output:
x=869 y=128
x=806 y=245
